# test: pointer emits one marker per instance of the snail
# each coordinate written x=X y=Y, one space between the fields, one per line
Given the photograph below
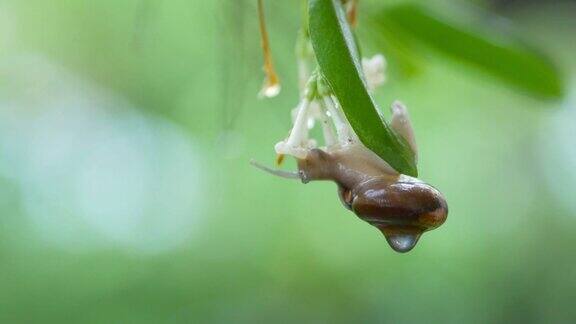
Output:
x=400 y=206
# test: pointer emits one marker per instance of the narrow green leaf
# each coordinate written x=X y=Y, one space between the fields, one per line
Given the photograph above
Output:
x=337 y=56
x=500 y=56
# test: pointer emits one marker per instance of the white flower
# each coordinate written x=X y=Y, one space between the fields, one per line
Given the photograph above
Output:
x=269 y=90
x=324 y=109
x=297 y=143
x=374 y=71
x=314 y=113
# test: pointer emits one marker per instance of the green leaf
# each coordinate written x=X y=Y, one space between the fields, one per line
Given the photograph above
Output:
x=502 y=57
x=337 y=56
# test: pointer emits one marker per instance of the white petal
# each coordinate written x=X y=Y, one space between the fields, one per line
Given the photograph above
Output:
x=374 y=71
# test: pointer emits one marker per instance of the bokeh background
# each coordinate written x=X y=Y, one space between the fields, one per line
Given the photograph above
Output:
x=126 y=195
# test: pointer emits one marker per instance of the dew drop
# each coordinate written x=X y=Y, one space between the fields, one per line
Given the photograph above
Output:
x=402 y=241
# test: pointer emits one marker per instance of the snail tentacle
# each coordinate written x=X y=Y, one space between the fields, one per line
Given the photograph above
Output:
x=278 y=173
x=401 y=124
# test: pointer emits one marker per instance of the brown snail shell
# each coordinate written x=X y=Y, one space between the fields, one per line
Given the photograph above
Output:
x=401 y=207
x=401 y=210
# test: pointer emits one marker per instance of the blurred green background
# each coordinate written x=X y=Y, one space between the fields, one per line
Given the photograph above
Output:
x=126 y=196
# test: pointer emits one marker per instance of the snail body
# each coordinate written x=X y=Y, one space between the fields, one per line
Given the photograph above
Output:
x=401 y=207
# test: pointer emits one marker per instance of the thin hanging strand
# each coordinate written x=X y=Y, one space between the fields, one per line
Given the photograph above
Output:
x=271 y=86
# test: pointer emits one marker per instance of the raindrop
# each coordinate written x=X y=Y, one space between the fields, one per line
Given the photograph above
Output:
x=402 y=241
